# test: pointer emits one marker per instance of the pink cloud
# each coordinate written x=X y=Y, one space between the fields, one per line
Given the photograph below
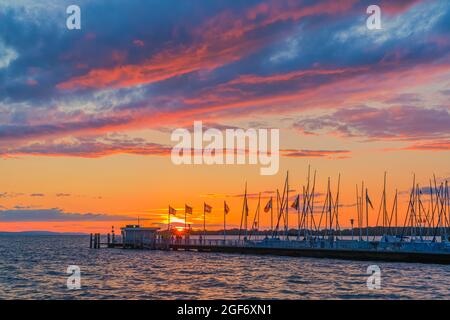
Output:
x=223 y=39
x=439 y=145
x=393 y=123
x=138 y=43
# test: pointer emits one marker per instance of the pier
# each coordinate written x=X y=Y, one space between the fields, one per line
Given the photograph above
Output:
x=412 y=252
x=346 y=250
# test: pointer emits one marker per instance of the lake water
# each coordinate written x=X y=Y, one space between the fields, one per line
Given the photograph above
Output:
x=34 y=267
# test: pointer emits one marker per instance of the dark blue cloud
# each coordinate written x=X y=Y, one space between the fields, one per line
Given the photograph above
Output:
x=55 y=215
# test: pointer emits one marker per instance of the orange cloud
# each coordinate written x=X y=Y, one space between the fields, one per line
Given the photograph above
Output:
x=292 y=153
x=431 y=146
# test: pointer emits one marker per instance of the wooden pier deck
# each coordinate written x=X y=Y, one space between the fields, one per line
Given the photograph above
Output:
x=292 y=249
x=361 y=255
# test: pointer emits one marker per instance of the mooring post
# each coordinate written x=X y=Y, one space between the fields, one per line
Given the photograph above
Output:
x=98 y=240
x=109 y=239
x=90 y=241
x=113 y=235
x=95 y=241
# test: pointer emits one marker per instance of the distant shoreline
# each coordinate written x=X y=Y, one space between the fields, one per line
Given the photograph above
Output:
x=41 y=233
x=372 y=231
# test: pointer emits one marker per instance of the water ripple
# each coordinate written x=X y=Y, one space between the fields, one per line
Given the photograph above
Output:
x=35 y=268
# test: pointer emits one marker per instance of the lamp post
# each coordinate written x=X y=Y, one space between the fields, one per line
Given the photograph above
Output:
x=352 y=221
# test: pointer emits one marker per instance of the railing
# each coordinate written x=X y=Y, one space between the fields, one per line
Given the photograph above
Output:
x=205 y=242
x=267 y=243
x=307 y=244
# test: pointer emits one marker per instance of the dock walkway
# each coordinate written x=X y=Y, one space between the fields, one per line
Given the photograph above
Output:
x=347 y=250
x=415 y=252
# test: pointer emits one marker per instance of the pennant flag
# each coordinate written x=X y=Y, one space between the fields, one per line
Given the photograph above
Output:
x=268 y=206
x=172 y=210
x=226 y=208
x=207 y=208
x=368 y=200
x=188 y=209
x=296 y=203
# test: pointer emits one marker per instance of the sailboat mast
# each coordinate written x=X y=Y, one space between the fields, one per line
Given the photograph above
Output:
x=243 y=211
x=246 y=214
x=311 y=205
x=306 y=197
x=384 y=204
x=396 y=211
x=287 y=205
x=329 y=207
x=298 y=217
x=337 y=204
x=271 y=214
x=357 y=211
x=367 y=215
x=362 y=207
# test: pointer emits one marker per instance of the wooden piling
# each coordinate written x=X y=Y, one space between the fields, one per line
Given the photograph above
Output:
x=90 y=241
x=109 y=239
x=113 y=235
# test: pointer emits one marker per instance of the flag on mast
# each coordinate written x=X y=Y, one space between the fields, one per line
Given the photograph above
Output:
x=207 y=208
x=172 y=210
x=268 y=206
x=226 y=208
x=368 y=199
x=188 y=209
x=296 y=203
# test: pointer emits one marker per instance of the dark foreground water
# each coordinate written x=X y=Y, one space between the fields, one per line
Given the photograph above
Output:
x=34 y=267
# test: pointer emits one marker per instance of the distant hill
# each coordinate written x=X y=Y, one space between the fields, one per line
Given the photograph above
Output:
x=41 y=233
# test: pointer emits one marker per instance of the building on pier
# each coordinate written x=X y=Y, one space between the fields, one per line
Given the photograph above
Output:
x=135 y=236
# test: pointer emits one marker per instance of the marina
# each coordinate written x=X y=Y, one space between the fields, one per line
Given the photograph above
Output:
x=423 y=238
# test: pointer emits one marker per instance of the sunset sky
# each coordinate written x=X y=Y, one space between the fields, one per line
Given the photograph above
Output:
x=86 y=115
